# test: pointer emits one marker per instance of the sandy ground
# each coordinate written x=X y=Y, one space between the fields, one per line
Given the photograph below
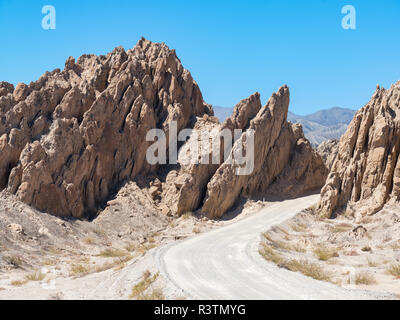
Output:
x=350 y=251
x=192 y=257
x=102 y=261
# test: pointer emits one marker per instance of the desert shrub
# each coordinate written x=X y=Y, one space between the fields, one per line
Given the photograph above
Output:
x=364 y=278
x=324 y=254
x=394 y=270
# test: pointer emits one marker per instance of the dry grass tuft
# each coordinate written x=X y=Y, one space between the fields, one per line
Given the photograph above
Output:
x=309 y=269
x=324 y=254
x=36 y=276
x=364 y=278
x=144 y=289
x=130 y=247
x=79 y=270
x=394 y=270
x=341 y=228
x=112 y=253
x=300 y=227
x=143 y=248
x=19 y=283
x=270 y=254
x=371 y=263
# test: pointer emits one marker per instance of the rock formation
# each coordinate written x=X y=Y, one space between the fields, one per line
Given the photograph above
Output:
x=366 y=172
x=329 y=150
x=193 y=189
x=70 y=138
x=284 y=162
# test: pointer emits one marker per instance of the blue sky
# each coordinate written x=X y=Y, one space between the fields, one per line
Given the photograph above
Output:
x=232 y=48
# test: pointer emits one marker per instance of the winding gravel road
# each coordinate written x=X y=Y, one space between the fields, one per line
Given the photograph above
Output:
x=225 y=264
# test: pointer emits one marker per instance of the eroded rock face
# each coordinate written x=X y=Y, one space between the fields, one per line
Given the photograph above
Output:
x=68 y=139
x=366 y=172
x=6 y=88
x=329 y=150
x=192 y=191
x=283 y=161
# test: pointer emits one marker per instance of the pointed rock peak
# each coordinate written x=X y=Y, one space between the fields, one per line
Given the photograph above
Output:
x=82 y=131
x=244 y=112
x=366 y=173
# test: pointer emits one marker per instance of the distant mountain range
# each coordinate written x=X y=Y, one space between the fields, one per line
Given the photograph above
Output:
x=318 y=126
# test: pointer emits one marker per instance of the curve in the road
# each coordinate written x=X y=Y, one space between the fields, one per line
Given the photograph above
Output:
x=224 y=263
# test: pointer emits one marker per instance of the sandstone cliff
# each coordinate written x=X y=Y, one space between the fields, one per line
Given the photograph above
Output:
x=366 y=172
x=69 y=139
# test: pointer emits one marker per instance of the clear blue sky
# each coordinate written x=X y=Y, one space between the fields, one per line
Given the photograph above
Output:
x=232 y=48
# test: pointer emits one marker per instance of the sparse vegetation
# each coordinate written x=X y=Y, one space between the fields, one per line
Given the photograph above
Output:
x=112 y=253
x=99 y=231
x=299 y=227
x=79 y=270
x=394 y=270
x=324 y=254
x=309 y=269
x=36 y=276
x=49 y=262
x=130 y=247
x=364 y=278
x=143 y=248
x=267 y=235
x=117 y=264
x=19 y=283
x=371 y=263
x=144 y=289
x=270 y=254
x=341 y=227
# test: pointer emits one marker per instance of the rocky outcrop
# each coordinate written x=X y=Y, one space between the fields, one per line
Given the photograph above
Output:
x=366 y=172
x=192 y=191
x=283 y=161
x=70 y=138
x=285 y=165
x=6 y=88
x=329 y=150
